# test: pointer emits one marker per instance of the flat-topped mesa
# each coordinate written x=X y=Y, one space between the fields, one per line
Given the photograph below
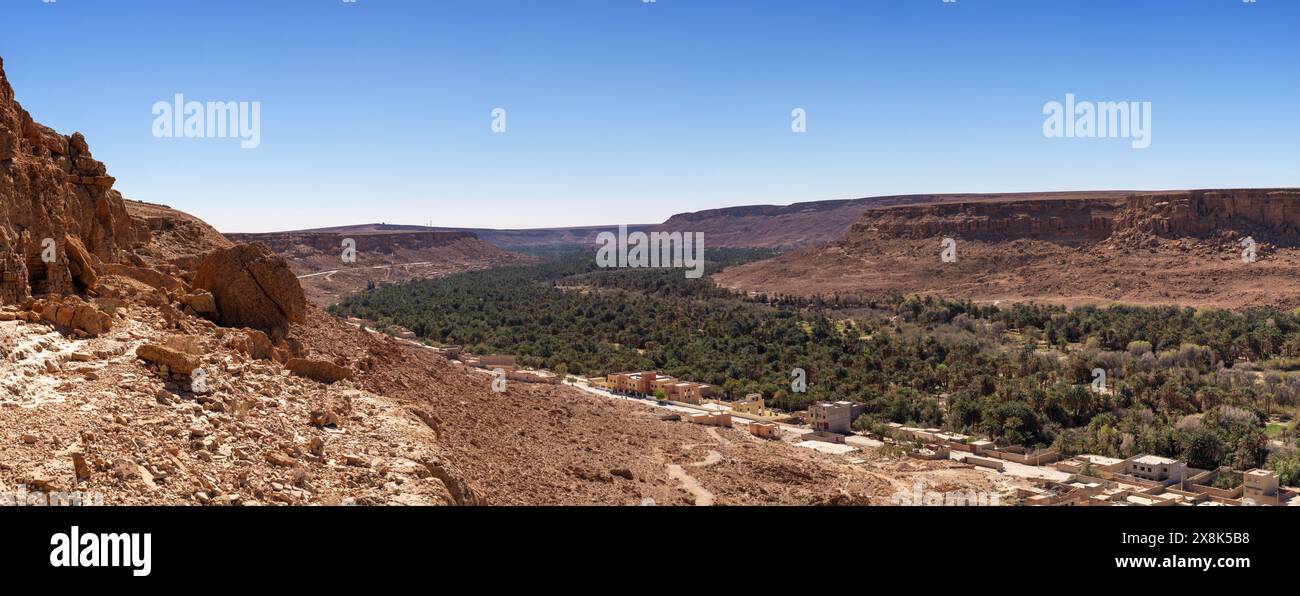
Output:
x=1273 y=213
x=1064 y=221
x=332 y=242
x=53 y=191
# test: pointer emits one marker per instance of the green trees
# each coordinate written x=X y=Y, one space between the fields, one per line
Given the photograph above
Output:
x=1287 y=466
x=1020 y=374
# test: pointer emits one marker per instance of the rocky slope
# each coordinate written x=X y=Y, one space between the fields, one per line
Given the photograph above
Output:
x=146 y=359
x=1146 y=248
x=378 y=257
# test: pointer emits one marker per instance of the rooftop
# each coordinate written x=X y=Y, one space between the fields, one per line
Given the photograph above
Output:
x=1155 y=460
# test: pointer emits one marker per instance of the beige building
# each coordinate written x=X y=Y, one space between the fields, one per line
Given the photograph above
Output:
x=1154 y=468
x=694 y=393
x=765 y=430
x=1261 y=487
x=665 y=384
x=752 y=404
x=637 y=383
x=836 y=417
x=712 y=419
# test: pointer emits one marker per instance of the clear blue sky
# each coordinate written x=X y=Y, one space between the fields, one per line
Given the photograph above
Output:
x=621 y=111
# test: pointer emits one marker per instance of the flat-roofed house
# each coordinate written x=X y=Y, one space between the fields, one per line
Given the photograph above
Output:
x=694 y=393
x=765 y=430
x=1261 y=487
x=1154 y=468
x=712 y=418
x=836 y=417
x=622 y=382
x=645 y=382
x=752 y=404
x=662 y=383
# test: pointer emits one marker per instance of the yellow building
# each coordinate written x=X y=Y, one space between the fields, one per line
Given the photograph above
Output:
x=752 y=404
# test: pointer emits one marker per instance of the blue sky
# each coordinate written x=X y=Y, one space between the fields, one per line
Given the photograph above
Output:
x=620 y=111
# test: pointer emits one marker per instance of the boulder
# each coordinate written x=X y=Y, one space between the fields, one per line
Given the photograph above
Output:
x=202 y=303
x=252 y=342
x=177 y=362
x=73 y=314
x=319 y=370
x=252 y=287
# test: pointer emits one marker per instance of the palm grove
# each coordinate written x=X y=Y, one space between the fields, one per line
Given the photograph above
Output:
x=1194 y=384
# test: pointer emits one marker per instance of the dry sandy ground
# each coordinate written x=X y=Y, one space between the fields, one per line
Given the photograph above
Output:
x=556 y=445
x=1183 y=271
x=326 y=280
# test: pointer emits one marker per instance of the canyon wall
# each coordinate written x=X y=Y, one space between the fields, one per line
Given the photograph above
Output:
x=1271 y=214
x=52 y=190
x=820 y=222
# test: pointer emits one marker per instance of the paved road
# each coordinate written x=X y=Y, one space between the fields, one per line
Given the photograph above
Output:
x=333 y=271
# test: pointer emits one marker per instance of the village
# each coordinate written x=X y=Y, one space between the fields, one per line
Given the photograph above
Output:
x=1036 y=478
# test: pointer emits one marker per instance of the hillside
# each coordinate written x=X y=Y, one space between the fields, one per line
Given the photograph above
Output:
x=1180 y=247
x=381 y=256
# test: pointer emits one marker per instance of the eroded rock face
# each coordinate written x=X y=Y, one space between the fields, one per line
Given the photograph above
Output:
x=319 y=370
x=1273 y=213
x=53 y=191
x=253 y=287
x=74 y=315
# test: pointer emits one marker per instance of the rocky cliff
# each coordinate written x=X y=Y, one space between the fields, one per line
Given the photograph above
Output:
x=1177 y=247
x=1270 y=214
x=820 y=222
x=56 y=200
